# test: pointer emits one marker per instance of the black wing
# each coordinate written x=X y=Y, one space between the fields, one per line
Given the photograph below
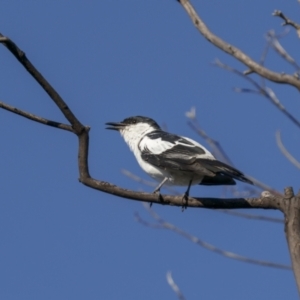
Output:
x=185 y=159
x=159 y=141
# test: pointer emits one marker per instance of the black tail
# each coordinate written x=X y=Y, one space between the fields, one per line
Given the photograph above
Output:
x=219 y=179
x=225 y=174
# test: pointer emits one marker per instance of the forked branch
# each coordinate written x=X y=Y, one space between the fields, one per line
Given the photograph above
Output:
x=287 y=21
x=235 y=52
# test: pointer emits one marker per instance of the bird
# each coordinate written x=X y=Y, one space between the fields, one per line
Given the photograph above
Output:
x=172 y=159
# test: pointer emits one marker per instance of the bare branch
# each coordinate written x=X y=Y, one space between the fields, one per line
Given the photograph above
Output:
x=291 y=208
x=285 y=152
x=287 y=21
x=174 y=286
x=252 y=217
x=206 y=245
x=21 y=57
x=274 y=42
x=271 y=96
x=35 y=118
x=264 y=54
x=265 y=91
x=233 y=213
x=235 y=52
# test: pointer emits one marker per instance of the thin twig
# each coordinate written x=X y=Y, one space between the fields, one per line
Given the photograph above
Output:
x=265 y=91
x=35 y=117
x=269 y=93
x=206 y=245
x=287 y=21
x=215 y=145
x=261 y=61
x=264 y=54
x=252 y=217
x=174 y=286
x=274 y=42
x=285 y=152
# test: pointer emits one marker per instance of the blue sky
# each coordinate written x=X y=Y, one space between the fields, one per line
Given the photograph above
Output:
x=110 y=60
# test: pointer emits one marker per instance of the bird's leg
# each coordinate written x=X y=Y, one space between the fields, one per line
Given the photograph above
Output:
x=157 y=189
x=186 y=196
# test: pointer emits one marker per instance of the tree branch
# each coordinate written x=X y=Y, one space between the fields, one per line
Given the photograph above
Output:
x=21 y=57
x=252 y=217
x=165 y=225
x=235 y=52
x=234 y=213
x=35 y=118
x=266 y=201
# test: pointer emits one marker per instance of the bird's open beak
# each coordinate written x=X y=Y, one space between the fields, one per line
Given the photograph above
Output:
x=115 y=126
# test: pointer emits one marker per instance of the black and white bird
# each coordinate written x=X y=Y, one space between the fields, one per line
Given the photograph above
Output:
x=172 y=159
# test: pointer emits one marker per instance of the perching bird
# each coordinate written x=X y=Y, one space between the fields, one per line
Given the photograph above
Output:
x=172 y=159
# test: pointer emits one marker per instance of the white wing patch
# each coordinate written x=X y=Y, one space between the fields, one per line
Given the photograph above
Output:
x=155 y=146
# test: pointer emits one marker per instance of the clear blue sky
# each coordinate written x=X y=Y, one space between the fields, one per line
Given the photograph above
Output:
x=114 y=59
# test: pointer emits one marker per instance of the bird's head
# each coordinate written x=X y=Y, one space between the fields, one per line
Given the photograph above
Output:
x=136 y=126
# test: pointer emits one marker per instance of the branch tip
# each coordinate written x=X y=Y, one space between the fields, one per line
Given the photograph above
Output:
x=248 y=72
x=288 y=192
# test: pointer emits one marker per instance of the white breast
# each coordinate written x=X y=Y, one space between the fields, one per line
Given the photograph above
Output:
x=133 y=139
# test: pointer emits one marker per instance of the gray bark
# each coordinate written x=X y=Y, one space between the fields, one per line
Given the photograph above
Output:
x=291 y=210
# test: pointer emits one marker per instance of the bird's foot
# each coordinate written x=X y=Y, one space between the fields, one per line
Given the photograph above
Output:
x=160 y=197
x=185 y=199
x=186 y=196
